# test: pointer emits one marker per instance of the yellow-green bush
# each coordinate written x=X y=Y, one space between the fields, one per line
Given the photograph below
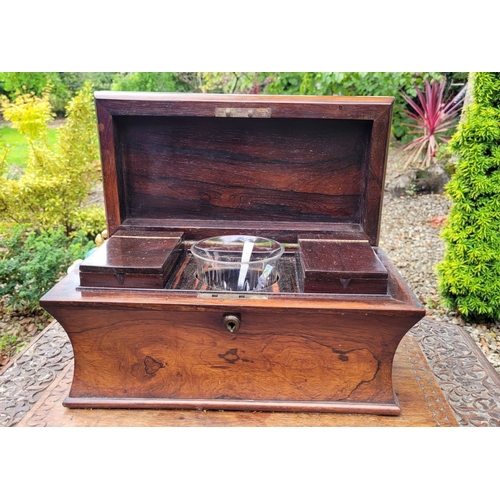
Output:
x=57 y=181
x=470 y=272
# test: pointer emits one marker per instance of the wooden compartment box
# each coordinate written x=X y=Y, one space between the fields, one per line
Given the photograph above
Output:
x=341 y=266
x=177 y=168
x=132 y=259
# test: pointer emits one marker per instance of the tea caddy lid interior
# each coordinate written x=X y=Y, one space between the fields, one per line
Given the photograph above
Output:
x=211 y=164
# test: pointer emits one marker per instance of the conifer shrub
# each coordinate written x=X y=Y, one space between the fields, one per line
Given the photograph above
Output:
x=54 y=188
x=469 y=275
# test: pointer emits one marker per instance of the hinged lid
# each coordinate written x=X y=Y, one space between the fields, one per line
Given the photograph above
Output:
x=208 y=164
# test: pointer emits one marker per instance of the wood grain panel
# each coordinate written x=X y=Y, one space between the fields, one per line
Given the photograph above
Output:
x=167 y=104
x=220 y=169
x=375 y=176
x=294 y=351
x=289 y=356
x=423 y=405
x=114 y=202
x=282 y=231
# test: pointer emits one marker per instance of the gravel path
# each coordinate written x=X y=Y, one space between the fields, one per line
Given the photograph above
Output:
x=410 y=237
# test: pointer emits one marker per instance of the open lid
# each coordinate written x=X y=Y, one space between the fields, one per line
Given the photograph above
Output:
x=209 y=164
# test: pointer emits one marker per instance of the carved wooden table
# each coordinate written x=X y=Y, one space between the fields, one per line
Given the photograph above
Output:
x=441 y=379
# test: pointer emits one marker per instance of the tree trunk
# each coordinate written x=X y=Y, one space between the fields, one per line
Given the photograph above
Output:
x=469 y=99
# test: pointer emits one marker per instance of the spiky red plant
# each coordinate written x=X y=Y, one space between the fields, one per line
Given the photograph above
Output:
x=431 y=118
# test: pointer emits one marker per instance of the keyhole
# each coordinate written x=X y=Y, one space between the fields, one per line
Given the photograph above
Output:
x=231 y=322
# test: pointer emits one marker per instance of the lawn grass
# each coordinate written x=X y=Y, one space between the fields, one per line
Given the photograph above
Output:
x=18 y=146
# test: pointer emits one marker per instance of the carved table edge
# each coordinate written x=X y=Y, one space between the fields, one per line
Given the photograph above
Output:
x=467 y=379
x=26 y=348
x=27 y=376
x=436 y=402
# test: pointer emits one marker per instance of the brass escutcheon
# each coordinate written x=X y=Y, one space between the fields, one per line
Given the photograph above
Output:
x=231 y=322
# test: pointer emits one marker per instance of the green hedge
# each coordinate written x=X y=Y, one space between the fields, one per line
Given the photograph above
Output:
x=470 y=272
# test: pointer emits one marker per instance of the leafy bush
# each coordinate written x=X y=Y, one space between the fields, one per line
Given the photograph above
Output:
x=90 y=220
x=29 y=114
x=31 y=262
x=16 y=146
x=234 y=82
x=149 y=82
x=75 y=81
x=31 y=82
x=57 y=181
x=36 y=83
x=62 y=86
x=470 y=272
x=4 y=166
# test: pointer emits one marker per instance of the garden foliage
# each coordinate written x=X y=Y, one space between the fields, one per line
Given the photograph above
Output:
x=235 y=82
x=32 y=261
x=149 y=82
x=53 y=190
x=11 y=83
x=63 y=86
x=470 y=272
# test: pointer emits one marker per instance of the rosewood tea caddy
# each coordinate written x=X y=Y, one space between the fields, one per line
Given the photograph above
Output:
x=307 y=172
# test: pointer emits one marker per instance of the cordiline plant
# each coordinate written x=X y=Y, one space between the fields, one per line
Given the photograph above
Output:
x=431 y=121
